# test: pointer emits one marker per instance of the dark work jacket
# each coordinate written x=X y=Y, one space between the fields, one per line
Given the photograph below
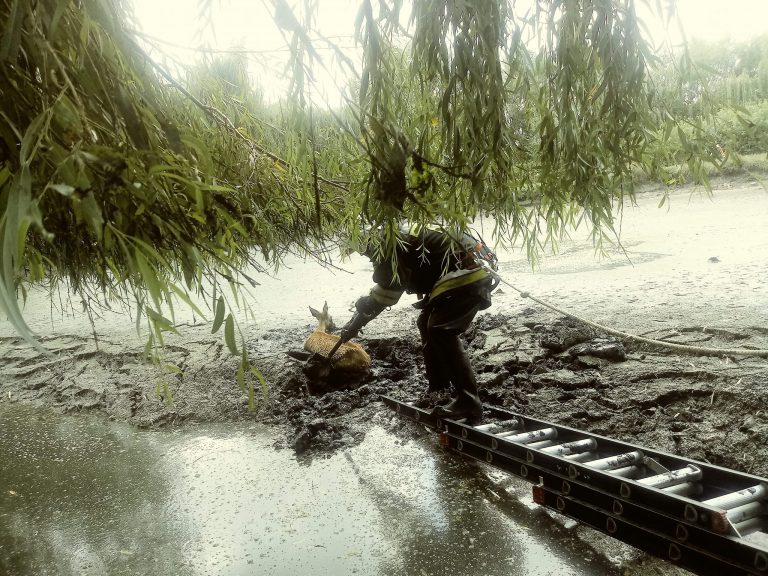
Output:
x=428 y=263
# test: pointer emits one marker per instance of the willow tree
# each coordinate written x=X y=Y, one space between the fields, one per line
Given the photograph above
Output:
x=536 y=117
x=130 y=181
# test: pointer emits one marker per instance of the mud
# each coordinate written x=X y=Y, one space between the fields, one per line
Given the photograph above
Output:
x=710 y=409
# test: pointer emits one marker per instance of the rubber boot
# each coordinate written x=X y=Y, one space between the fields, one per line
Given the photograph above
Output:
x=434 y=366
x=465 y=406
x=436 y=377
x=467 y=403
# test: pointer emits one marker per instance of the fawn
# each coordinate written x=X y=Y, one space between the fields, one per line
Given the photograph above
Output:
x=350 y=356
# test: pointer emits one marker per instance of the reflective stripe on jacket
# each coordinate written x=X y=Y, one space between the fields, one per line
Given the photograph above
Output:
x=386 y=296
x=457 y=279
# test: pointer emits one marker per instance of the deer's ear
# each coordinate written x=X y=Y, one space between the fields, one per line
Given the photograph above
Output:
x=325 y=308
x=315 y=313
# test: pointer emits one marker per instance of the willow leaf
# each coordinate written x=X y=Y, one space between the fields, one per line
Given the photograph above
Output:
x=229 y=334
x=218 y=319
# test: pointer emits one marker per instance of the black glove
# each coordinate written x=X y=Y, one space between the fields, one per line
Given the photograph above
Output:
x=367 y=309
x=368 y=306
x=353 y=327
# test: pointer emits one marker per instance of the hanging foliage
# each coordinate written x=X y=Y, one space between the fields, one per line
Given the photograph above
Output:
x=119 y=177
x=129 y=186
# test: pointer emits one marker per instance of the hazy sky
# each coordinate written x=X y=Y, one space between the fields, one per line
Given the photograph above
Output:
x=241 y=20
x=715 y=19
x=248 y=24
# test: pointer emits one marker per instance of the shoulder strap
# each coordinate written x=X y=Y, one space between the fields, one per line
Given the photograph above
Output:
x=476 y=252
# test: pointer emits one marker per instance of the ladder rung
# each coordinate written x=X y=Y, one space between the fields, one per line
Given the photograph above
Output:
x=540 y=445
x=673 y=477
x=495 y=427
x=619 y=461
x=734 y=499
x=685 y=489
x=575 y=447
x=528 y=437
x=627 y=471
x=750 y=526
x=582 y=457
x=745 y=512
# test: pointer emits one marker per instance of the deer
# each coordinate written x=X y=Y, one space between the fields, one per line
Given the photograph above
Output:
x=350 y=356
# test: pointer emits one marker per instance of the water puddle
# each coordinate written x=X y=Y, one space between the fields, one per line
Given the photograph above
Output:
x=79 y=495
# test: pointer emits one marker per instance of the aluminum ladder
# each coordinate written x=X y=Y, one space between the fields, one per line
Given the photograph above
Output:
x=704 y=518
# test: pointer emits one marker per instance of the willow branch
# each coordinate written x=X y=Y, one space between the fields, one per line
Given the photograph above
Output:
x=224 y=120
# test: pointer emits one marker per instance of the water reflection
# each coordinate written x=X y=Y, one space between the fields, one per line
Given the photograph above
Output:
x=83 y=496
x=254 y=510
x=441 y=520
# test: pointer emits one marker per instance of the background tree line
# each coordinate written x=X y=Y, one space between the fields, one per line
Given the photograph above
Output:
x=722 y=87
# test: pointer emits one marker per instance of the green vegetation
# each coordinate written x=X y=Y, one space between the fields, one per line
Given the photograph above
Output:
x=718 y=92
x=127 y=182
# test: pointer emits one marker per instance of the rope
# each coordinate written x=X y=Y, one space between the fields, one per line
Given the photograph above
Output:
x=648 y=341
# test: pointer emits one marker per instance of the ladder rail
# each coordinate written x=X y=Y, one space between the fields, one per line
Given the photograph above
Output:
x=684 y=508
x=718 y=478
x=701 y=560
x=694 y=511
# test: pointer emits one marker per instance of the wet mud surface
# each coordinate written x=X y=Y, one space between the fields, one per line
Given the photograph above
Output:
x=707 y=408
x=710 y=409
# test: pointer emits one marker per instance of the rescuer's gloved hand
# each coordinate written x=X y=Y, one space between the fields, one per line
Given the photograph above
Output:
x=367 y=309
x=352 y=328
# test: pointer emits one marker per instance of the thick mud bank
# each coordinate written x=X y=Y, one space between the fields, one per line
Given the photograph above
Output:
x=707 y=408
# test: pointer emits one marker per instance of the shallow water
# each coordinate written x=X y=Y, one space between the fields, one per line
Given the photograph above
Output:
x=79 y=495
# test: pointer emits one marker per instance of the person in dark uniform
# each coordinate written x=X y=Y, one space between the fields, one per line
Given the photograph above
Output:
x=453 y=285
